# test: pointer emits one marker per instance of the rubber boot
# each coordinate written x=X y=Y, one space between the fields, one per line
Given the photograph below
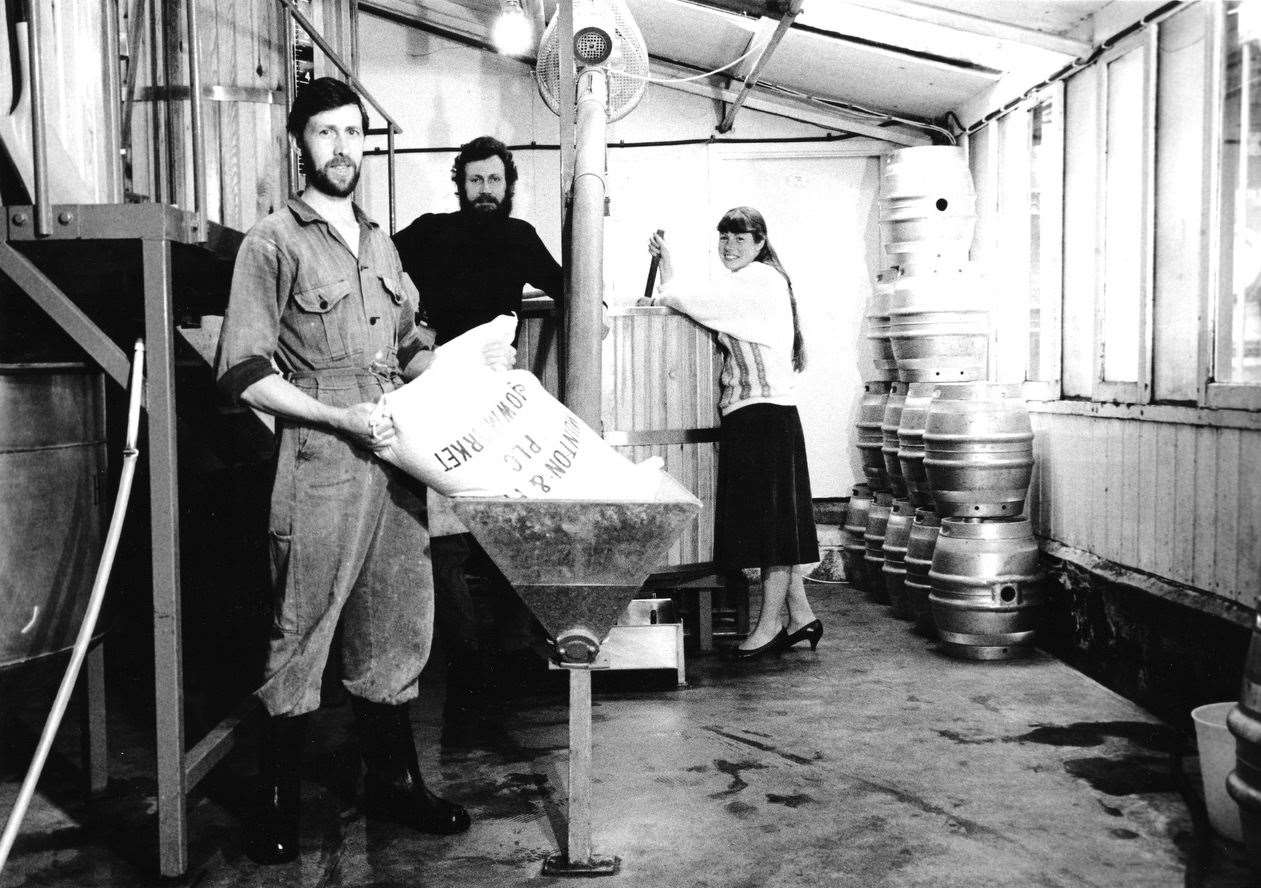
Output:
x=274 y=836
x=392 y=787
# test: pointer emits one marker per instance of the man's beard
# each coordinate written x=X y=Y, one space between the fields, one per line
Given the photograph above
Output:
x=486 y=207
x=320 y=180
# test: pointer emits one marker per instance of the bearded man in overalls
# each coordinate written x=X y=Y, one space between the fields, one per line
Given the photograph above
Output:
x=321 y=321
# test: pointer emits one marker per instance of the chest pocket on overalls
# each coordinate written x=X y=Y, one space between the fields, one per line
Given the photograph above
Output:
x=394 y=290
x=325 y=319
x=398 y=305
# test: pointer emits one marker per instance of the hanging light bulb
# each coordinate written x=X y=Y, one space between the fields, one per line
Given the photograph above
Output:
x=512 y=32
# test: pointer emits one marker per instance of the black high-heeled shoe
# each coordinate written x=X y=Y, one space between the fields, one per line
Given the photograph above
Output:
x=810 y=632
x=774 y=645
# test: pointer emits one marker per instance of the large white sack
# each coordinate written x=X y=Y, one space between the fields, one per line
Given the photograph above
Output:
x=463 y=428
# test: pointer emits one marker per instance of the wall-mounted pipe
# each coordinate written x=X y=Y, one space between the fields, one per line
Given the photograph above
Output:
x=194 y=88
x=585 y=305
x=39 y=125
x=113 y=105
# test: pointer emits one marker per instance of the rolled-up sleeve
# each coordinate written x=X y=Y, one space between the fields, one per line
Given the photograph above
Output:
x=251 y=325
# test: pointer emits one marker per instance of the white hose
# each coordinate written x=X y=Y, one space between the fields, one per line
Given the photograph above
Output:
x=84 y=639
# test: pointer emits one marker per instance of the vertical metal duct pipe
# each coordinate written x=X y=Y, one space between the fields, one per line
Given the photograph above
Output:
x=604 y=42
x=585 y=307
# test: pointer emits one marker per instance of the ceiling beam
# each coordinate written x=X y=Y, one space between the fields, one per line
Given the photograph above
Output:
x=751 y=79
x=972 y=24
x=813 y=113
x=445 y=15
x=755 y=8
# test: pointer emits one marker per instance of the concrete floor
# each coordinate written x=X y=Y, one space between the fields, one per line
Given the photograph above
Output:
x=875 y=762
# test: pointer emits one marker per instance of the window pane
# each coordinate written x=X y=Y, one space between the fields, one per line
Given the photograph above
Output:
x=1046 y=172
x=1123 y=221
x=1238 y=348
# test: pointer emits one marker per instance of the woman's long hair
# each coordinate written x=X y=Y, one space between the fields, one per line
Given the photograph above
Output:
x=746 y=220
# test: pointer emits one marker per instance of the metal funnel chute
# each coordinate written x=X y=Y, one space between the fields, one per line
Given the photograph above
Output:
x=576 y=563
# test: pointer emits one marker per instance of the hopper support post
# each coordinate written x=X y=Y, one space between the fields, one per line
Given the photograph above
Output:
x=578 y=857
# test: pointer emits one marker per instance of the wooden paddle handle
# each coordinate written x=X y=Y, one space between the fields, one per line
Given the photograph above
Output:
x=652 y=269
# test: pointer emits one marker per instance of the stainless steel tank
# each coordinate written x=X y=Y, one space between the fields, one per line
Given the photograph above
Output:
x=987 y=587
x=52 y=477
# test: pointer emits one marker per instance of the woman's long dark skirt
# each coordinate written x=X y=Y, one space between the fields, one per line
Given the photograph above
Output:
x=763 y=513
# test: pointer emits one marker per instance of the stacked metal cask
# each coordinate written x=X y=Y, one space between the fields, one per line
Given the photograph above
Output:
x=947 y=455
x=1244 y=721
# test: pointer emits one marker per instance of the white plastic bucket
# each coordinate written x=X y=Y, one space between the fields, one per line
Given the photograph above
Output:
x=1217 y=759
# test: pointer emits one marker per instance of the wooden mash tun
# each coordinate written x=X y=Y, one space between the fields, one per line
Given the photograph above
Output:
x=578 y=563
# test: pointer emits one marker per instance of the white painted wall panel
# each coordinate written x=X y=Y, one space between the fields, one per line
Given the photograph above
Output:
x=1183 y=569
x=1180 y=502
x=1248 y=545
x=1080 y=240
x=1203 y=574
x=1162 y=498
x=1227 y=508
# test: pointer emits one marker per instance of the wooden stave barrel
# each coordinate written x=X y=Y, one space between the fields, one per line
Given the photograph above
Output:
x=660 y=398
x=978 y=450
x=853 y=544
x=873 y=554
x=52 y=477
x=987 y=591
x=897 y=535
x=1244 y=721
x=919 y=560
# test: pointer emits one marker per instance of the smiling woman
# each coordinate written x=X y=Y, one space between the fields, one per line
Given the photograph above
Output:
x=763 y=512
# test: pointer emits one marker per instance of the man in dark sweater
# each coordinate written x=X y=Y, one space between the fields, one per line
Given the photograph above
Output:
x=469 y=267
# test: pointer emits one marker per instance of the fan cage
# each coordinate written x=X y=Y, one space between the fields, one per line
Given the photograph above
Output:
x=625 y=66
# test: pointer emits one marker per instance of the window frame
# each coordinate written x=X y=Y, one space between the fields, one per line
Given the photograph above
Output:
x=1051 y=237
x=1140 y=390
x=1218 y=245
